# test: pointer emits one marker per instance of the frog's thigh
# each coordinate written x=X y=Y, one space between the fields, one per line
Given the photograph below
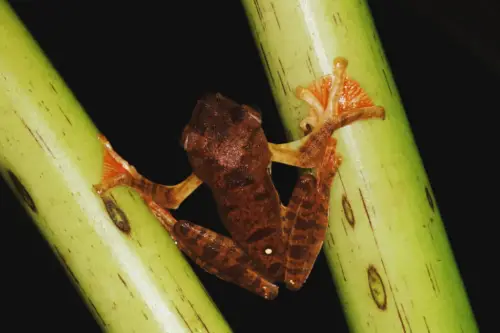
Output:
x=221 y=256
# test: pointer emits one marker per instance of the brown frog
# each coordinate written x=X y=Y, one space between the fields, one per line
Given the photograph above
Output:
x=228 y=151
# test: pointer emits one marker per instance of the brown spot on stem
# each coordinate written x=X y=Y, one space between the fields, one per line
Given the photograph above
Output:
x=116 y=214
x=22 y=191
x=429 y=197
x=377 y=288
x=349 y=214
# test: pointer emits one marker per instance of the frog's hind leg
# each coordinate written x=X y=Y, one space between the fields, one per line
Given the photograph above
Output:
x=306 y=220
x=216 y=254
x=118 y=172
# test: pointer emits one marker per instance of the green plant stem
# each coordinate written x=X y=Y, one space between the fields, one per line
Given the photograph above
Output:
x=51 y=157
x=386 y=246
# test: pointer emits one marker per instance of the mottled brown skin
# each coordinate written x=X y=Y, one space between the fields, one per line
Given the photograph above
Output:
x=228 y=151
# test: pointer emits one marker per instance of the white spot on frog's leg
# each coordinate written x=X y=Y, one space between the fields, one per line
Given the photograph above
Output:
x=268 y=251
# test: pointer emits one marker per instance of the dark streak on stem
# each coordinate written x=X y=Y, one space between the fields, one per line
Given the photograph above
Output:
x=267 y=63
x=65 y=265
x=31 y=132
x=341 y=181
x=431 y=279
x=429 y=198
x=366 y=212
x=259 y=12
x=183 y=319
x=122 y=280
x=343 y=225
x=430 y=232
x=309 y=64
x=435 y=279
x=331 y=238
x=198 y=316
x=145 y=315
x=282 y=83
x=183 y=297
x=335 y=19
x=65 y=116
x=53 y=88
x=341 y=268
x=406 y=317
x=387 y=81
x=401 y=320
x=281 y=66
x=426 y=325
x=96 y=312
x=45 y=145
x=22 y=191
x=340 y=19
x=276 y=16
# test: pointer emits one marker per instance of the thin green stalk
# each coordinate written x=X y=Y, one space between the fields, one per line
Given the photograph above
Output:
x=386 y=246
x=51 y=157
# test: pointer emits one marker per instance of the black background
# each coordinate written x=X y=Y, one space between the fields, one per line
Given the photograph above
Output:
x=138 y=70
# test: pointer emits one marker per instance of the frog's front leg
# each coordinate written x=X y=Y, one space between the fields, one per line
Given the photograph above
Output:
x=306 y=219
x=216 y=254
x=334 y=102
x=119 y=172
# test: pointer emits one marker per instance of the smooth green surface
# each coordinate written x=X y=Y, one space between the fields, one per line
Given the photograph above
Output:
x=132 y=283
x=396 y=230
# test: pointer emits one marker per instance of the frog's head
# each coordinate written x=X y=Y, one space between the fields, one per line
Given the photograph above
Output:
x=223 y=135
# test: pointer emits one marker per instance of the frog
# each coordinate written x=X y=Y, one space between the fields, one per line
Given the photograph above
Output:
x=269 y=242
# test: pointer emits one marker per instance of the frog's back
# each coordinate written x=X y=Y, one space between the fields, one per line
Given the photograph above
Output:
x=228 y=151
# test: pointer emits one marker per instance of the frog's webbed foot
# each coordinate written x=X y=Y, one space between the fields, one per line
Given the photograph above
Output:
x=118 y=172
x=335 y=101
x=216 y=254
x=306 y=219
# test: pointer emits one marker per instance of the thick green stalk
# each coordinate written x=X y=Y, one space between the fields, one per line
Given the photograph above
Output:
x=386 y=246
x=49 y=154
